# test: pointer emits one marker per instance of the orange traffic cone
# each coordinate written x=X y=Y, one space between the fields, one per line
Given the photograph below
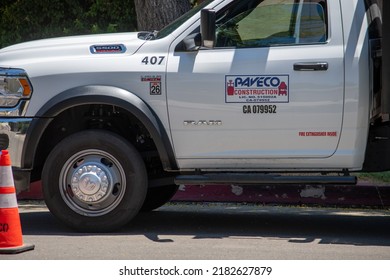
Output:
x=11 y=240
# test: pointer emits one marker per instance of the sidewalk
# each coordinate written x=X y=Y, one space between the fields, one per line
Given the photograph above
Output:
x=363 y=194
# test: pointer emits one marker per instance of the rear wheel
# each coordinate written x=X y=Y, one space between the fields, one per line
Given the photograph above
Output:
x=94 y=181
x=158 y=196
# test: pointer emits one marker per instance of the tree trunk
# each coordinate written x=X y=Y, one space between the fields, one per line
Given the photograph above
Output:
x=155 y=14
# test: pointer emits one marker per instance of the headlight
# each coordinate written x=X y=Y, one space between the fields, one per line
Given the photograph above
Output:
x=14 y=86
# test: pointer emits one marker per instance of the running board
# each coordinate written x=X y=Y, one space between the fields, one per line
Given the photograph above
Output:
x=256 y=179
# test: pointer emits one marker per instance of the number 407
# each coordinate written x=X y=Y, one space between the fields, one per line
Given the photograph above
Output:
x=153 y=60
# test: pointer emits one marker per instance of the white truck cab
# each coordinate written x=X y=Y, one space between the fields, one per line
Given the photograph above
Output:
x=234 y=92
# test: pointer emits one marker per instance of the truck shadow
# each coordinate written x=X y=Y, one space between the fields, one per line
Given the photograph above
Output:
x=218 y=221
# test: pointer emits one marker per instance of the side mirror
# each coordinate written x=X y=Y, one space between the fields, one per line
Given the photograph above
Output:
x=207 y=28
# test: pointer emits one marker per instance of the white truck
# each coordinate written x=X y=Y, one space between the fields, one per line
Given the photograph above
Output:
x=234 y=92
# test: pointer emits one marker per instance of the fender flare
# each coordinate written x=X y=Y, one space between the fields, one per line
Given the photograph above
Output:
x=99 y=94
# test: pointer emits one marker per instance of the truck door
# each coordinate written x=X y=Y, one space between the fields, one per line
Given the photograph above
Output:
x=271 y=89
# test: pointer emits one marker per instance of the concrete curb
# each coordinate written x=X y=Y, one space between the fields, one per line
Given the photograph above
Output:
x=35 y=192
x=363 y=194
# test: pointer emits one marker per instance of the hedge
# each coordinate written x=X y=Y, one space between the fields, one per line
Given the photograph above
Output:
x=25 y=20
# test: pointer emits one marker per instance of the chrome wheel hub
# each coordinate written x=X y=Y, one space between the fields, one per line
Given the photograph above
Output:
x=90 y=183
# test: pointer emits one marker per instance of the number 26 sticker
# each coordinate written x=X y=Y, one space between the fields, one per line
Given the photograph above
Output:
x=155 y=88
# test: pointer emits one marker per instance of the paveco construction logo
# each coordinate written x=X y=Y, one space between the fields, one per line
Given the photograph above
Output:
x=257 y=89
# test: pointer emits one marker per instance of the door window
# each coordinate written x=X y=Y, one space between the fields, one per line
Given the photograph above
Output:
x=264 y=23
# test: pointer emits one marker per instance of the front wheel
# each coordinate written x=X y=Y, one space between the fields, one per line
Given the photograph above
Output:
x=94 y=181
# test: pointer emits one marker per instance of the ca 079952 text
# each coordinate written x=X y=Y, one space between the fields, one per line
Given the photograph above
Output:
x=259 y=109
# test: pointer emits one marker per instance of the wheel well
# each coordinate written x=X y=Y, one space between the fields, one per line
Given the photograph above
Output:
x=98 y=116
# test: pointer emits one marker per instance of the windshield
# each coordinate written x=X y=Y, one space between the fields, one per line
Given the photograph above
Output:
x=174 y=25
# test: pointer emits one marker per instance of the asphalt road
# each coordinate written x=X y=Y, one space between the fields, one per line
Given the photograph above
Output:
x=216 y=231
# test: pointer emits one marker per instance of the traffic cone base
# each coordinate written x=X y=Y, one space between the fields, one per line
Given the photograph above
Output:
x=17 y=249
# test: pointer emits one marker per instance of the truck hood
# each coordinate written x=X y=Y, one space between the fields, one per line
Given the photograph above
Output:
x=74 y=46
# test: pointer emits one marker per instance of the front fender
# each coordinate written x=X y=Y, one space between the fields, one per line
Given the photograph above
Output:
x=106 y=95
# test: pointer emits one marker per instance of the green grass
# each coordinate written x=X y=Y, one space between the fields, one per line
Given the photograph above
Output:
x=383 y=177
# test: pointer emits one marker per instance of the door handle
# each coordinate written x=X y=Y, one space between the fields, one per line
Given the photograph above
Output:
x=311 y=66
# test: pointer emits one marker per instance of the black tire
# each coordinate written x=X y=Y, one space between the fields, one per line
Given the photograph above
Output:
x=158 y=196
x=94 y=181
